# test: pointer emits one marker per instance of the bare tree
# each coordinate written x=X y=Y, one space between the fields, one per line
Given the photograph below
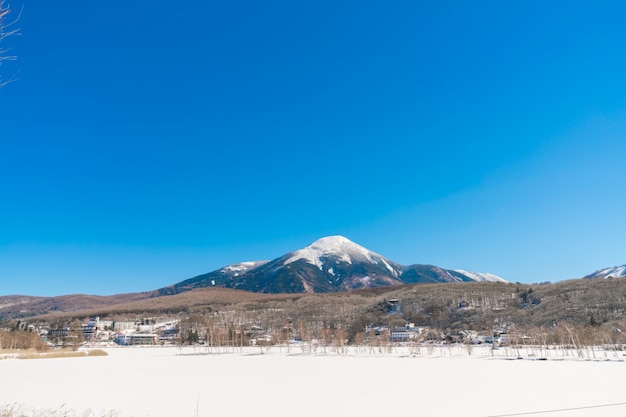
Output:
x=7 y=28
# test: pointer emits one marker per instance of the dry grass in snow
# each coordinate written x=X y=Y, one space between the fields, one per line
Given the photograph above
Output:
x=33 y=354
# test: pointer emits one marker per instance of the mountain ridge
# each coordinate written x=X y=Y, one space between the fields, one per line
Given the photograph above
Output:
x=321 y=268
x=610 y=272
x=330 y=264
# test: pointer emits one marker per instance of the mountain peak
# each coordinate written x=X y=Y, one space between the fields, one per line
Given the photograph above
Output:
x=330 y=264
x=336 y=246
x=339 y=249
x=333 y=240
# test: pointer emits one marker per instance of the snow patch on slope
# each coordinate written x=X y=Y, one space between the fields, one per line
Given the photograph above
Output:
x=481 y=276
x=243 y=267
x=393 y=271
x=613 y=272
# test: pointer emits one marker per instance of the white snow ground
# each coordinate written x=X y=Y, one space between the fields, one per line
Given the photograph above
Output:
x=168 y=382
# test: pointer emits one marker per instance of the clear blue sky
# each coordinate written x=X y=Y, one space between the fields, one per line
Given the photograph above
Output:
x=144 y=143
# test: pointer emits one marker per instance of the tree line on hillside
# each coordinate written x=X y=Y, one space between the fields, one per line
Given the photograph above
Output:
x=528 y=315
x=573 y=312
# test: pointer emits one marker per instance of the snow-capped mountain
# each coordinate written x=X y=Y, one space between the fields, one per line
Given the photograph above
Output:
x=330 y=264
x=215 y=278
x=481 y=276
x=339 y=249
x=613 y=272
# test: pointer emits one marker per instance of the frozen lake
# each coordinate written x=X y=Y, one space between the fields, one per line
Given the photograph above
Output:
x=167 y=382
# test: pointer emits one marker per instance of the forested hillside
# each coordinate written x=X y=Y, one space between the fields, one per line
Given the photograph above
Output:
x=595 y=306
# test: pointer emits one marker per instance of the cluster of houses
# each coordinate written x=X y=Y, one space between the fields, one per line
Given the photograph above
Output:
x=411 y=333
x=152 y=332
x=130 y=333
x=165 y=331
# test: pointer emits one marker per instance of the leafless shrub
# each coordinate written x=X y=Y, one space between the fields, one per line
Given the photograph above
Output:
x=20 y=340
x=7 y=29
x=17 y=410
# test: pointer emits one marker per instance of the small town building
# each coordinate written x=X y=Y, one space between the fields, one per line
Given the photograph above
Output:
x=143 y=339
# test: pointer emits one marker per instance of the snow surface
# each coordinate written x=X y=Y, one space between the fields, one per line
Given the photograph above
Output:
x=193 y=382
x=481 y=276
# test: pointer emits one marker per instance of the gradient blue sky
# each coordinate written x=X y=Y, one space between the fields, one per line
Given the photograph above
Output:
x=144 y=143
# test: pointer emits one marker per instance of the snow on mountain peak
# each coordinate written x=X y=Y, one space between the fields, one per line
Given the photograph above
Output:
x=333 y=245
x=338 y=246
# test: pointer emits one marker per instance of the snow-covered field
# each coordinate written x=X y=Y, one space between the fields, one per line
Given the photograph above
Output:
x=167 y=382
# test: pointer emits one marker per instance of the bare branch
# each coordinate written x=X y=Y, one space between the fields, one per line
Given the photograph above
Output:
x=7 y=29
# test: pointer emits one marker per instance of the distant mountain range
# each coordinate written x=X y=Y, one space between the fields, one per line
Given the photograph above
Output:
x=613 y=272
x=330 y=264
